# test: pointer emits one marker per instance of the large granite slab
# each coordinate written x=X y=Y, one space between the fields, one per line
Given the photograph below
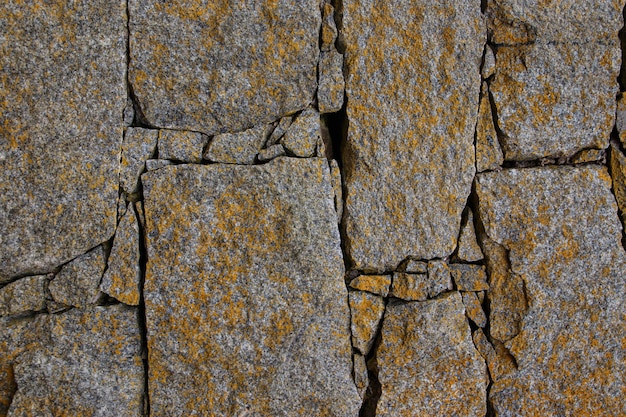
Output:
x=560 y=230
x=246 y=306
x=222 y=66
x=412 y=83
x=63 y=89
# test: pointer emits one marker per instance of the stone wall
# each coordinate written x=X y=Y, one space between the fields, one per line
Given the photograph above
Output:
x=312 y=208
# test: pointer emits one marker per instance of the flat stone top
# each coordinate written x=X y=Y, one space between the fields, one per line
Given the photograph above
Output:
x=63 y=89
x=222 y=66
x=244 y=291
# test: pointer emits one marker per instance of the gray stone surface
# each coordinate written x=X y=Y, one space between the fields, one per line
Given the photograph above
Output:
x=415 y=267
x=469 y=277
x=217 y=67
x=412 y=82
x=361 y=378
x=427 y=361
x=328 y=34
x=80 y=363
x=122 y=278
x=366 y=311
x=620 y=118
x=250 y=257
x=271 y=152
x=63 y=89
x=335 y=177
x=553 y=100
x=473 y=308
x=154 y=164
x=181 y=145
x=489 y=63
x=25 y=295
x=281 y=127
x=560 y=230
x=139 y=145
x=237 y=148
x=78 y=281
x=419 y=287
x=618 y=174
x=304 y=135
x=331 y=87
x=560 y=20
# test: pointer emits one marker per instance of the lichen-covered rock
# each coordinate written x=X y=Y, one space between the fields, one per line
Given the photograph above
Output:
x=427 y=362
x=237 y=148
x=249 y=257
x=224 y=66
x=335 y=177
x=469 y=250
x=558 y=21
x=139 y=145
x=361 y=378
x=63 y=89
x=82 y=362
x=618 y=174
x=121 y=280
x=331 y=87
x=489 y=63
x=620 y=118
x=77 y=282
x=469 y=277
x=488 y=152
x=181 y=145
x=553 y=100
x=271 y=152
x=304 y=134
x=412 y=83
x=418 y=287
x=329 y=28
x=366 y=311
x=376 y=284
x=154 y=164
x=560 y=230
x=413 y=266
x=474 y=309
x=589 y=155
x=25 y=295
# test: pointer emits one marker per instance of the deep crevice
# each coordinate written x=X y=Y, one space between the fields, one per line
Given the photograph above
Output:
x=143 y=259
x=374 y=388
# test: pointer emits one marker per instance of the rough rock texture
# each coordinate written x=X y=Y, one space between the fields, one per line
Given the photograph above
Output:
x=23 y=296
x=412 y=83
x=560 y=230
x=122 y=278
x=224 y=66
x=82 y=362
x=304 y=134
x=250 y=257
x=139 y=145
x=473 y=308
x=419 y=287
x=181 y=145
x=237 y=148
x=366 y=311
x=427 y=361
x=331 y=87
x=553 y=100
x=78 y=281
x=618 y=172
x=468 y=249
x=620 y=118
x=60 y=129
x=488 y=153
x=376 y=284
x=468 y=277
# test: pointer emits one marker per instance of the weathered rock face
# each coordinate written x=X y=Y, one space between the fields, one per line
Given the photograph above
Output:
x=60 y=129
x=560 y=229
x=79 y=363
x=223 y=66
x=250 y=258
x=412 y=83
x=427 y=361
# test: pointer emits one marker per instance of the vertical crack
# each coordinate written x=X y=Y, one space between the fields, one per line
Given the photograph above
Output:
x=143 y=259
x=374 y=389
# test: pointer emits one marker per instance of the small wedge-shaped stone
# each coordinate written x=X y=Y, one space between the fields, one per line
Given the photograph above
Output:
x=138 y=146
x=366 y=311
x=63 y=89
x=245 y=291
x=468 y=277
x=77 y=282
x=376 y=284
x=427 y=362
x=154 y=164
x=329 y=28
x=331 y=87
x=412 y=86
x=618 y=173
x=82 y=363
x=237 y=148
x=589 y=155
x=469 y=250
x=181 y=145
x=25 y=295
x=620 y=119
x=554 y=100
x=271 y=152
x=361 y=377
x=335 y=176
x=488 y=153
x=121 y=280
x=560 y=229
x=474 y=309
x=222 y=66
x=304 y=134
x=489 y=63
x=416 y=267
